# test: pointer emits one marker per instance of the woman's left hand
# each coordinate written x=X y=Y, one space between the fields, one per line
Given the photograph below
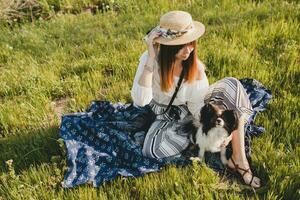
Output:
x=226 y=141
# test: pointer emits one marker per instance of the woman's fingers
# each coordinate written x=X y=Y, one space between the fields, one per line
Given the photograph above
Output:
x=154 y=35
x=152 y=47
x=226 y=141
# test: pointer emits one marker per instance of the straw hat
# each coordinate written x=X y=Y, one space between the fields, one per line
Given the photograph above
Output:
x=178 y=27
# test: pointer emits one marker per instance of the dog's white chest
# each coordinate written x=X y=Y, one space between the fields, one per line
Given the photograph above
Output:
x=213 y=140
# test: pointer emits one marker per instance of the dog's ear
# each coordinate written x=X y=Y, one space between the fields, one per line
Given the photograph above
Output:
x=231 y=119
x=207 y=116
x=206 y=112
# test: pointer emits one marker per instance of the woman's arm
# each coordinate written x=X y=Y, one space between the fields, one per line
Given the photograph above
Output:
x=147 y=74
x=141 y=91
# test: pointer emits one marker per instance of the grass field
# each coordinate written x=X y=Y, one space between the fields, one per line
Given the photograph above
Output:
x=59 y=65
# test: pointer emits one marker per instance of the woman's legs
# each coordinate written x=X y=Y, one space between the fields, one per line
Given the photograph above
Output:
x=230 y=94
x=165 y=136
x=239 y=155
x=163 y=140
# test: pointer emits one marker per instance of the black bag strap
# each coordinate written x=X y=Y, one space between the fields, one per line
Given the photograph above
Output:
x=175 y=92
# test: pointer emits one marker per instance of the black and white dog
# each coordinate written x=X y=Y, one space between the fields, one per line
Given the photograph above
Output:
x=213 y=127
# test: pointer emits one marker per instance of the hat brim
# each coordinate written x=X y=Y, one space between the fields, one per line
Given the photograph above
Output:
x=185 y=38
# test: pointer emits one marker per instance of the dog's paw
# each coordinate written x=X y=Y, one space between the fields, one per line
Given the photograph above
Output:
x=224 y=161
x=196 y=159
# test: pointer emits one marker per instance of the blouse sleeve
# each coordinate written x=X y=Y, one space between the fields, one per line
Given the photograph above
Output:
x=198 y=91
x=141 y=95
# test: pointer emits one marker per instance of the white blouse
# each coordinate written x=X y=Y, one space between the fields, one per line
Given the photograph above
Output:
x=190 y=94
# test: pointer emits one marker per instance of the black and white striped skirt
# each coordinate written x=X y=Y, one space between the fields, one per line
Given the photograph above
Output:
x=165 y=137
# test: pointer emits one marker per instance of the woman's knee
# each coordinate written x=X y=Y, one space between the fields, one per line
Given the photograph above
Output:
x=146 y=151
x=232 y=79
x=150 y=151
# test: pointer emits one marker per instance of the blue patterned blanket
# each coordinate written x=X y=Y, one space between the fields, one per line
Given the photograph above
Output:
x=105 y=141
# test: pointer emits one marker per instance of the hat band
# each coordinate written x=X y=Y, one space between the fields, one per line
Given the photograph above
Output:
x=172 y=34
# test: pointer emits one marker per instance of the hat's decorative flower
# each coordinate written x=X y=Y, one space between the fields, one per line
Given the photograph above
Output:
x=171 y=34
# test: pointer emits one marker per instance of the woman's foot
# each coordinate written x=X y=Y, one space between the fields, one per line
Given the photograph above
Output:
x=243 y=168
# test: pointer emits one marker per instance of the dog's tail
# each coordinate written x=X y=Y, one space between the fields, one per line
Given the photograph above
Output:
x=189 y=126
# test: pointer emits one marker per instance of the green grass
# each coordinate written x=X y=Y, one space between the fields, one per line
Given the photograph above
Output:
x=75 y=59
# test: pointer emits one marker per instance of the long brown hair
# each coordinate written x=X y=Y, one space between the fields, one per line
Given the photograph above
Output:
x=166 y=60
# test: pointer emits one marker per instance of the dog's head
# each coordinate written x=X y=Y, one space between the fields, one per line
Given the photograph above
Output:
x=211 y=116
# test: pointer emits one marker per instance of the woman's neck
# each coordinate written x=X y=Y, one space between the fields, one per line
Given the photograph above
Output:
x=178 y=63
x=177 y=67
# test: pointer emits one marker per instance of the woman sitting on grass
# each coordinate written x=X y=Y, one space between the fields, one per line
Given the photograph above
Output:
x=141 y=137
x=172 y=51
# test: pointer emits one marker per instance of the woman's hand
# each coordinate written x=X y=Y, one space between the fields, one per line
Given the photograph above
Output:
x=152 y=48
x=226 y=141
